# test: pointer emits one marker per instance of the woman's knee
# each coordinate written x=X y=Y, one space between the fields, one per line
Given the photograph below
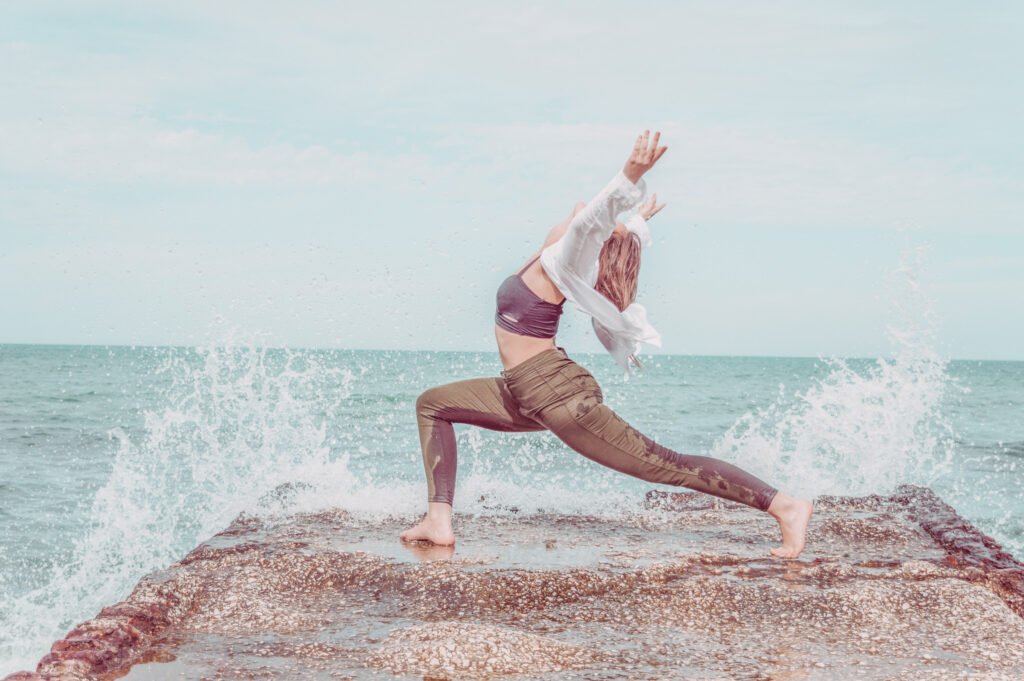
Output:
x=432 y=400
x=429 y=400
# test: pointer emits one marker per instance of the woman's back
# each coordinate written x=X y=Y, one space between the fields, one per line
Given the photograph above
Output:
x=515 y=348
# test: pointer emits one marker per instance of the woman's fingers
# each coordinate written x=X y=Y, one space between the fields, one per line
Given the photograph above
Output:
x=650 y=207
x=646 y=149
x=652 y=201
x=645 y=154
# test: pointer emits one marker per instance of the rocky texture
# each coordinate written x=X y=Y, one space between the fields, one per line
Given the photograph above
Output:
x=892 y=587
x=473 y=650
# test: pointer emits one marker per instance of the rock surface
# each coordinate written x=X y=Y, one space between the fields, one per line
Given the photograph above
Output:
x=893 y=587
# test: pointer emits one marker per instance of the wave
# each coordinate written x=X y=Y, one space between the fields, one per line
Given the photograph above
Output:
x=859 y=431
x=238 y=421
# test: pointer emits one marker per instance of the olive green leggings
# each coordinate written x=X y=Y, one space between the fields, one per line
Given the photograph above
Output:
x=549 y=391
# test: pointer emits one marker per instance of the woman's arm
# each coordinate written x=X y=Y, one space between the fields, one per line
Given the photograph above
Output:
x=638 y=223
x=591 y=226
x=596 y=220
x=556 y=232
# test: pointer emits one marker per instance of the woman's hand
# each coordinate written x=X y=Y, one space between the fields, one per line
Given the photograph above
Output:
x=644 y=156
x=649 y=208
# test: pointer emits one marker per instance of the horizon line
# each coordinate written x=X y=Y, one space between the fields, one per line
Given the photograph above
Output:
x=582 y=352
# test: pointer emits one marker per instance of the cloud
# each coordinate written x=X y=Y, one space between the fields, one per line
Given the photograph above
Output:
x=439 y=143
x=746 y=175
x=129 y=151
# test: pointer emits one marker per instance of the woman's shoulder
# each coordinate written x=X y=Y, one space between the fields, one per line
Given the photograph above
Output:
x=556 y=233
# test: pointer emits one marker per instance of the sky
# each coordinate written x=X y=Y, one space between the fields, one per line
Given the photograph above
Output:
x=325 y=174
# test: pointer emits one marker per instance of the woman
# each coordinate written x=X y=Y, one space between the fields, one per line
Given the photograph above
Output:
x=594 y=262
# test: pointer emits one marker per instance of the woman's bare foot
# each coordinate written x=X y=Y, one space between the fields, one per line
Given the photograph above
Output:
x=425 y=552
x=793 y=515
x=436 y=526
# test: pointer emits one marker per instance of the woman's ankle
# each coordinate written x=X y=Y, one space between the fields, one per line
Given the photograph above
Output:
x=439 y=511
x=781 y=502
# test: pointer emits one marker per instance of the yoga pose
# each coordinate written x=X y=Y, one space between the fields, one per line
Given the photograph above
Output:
x=593 y=261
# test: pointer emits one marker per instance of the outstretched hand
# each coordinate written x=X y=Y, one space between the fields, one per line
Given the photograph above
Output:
x=646 y=153
x=649 y=208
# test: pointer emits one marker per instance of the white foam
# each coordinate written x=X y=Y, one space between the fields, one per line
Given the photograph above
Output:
x=858 y=431
x=239 y=421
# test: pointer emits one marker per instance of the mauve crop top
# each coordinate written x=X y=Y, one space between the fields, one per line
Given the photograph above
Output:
x=522 y=311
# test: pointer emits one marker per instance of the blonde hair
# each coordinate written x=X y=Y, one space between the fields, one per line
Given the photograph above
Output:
x=619 y=269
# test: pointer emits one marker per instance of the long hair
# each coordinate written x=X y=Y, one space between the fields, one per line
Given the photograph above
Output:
x=619 y=269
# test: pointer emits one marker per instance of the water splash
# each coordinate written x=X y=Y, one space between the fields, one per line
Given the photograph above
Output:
x=866 y=426
x=240 y=422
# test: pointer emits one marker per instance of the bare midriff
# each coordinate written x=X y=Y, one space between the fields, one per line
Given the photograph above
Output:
x=515 y=348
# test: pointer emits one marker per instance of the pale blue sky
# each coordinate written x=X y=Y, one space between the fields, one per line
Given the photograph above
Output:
x=328 y=174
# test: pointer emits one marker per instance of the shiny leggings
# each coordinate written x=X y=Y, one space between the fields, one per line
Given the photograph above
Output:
x=549 y=391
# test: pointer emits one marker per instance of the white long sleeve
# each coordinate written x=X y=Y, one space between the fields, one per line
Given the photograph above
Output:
x=638 y=226
x=572 y=264
x=591 y=227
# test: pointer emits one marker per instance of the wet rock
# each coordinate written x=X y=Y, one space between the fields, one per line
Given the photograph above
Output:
x=457 y=648
x=895 y=587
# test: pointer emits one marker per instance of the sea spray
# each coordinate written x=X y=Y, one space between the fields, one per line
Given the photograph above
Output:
x=239 y=422
x=866 y=426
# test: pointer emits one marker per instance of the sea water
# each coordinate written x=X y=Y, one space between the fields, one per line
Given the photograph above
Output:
x=116 y=461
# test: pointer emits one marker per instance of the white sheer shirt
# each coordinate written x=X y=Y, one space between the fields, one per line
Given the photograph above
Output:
x=572 y=264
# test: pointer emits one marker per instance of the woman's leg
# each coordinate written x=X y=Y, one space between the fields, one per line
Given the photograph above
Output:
x=483 y=402
x=591 y=428
x=598 y=433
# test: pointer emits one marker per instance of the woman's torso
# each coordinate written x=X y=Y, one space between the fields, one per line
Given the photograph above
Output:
x=516 y=347
x=513 y=347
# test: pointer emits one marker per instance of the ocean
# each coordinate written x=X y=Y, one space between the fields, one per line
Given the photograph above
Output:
x=117 y=461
